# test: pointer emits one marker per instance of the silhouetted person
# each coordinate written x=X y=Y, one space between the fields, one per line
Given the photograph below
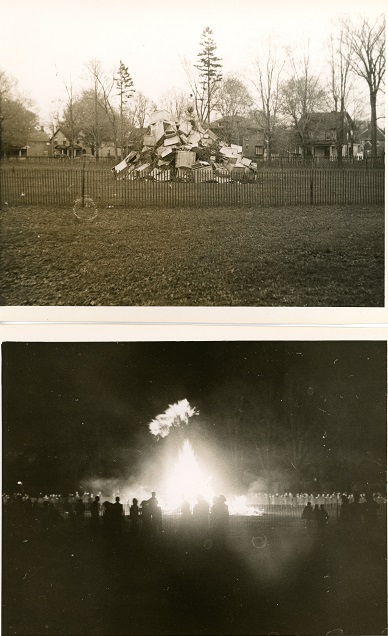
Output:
x=95 y=512
x=219 y=520
x=107 y=518
x=117 y=516
x=155 y=515
x=157 y=521
x=146 y=520
x=134 y=518
x=201 y=518
x=308 y=515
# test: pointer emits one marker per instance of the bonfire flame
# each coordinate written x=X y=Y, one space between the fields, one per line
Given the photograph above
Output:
x=174 y=417
x=187 y=480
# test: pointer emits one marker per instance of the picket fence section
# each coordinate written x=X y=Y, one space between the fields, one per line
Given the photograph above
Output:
x=48 y=186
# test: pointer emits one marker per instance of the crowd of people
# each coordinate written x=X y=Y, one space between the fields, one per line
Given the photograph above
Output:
x=144 y=518
x=355 y=511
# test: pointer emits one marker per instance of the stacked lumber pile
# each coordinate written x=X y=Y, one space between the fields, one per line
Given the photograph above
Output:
x=175 y=149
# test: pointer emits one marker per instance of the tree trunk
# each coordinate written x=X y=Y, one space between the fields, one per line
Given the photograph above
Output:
x=373 y=122
x=340 y=133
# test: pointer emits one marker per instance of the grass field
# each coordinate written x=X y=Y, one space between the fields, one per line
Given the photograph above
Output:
x=64 y=581
x=285 y=256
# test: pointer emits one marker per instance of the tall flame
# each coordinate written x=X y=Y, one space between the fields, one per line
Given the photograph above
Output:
x=186 y=481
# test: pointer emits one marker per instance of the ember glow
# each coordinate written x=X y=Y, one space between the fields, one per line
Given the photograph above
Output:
x=174 y=417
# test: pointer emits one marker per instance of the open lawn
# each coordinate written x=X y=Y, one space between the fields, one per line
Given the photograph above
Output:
x=71 y=581
x=286 y=256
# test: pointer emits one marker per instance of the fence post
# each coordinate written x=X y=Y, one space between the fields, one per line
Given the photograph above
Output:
x=83 y=184
x=311 y=189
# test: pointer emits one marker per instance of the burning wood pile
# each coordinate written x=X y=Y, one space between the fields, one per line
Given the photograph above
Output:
x=184 y=150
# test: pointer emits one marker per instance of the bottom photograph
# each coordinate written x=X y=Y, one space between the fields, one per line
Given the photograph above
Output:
x=218 y=487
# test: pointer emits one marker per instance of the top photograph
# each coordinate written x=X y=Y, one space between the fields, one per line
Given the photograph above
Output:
x=204 y=155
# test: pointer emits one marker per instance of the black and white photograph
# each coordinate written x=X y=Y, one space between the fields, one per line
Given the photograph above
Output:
x=205 y=155
x=194 y=487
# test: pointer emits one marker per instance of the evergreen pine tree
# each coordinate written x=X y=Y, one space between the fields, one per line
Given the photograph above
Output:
x=209 y=67
x=124 y=85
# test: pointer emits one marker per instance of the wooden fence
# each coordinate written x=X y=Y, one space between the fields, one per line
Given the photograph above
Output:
x=49 y=186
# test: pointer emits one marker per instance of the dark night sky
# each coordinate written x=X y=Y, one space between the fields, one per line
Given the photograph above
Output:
x=67 y=405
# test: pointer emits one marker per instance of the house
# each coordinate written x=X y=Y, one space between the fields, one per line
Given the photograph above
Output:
x=322 y=135
x=242 y=131
x=61 y=146
x=38 y=143
x=363 y=142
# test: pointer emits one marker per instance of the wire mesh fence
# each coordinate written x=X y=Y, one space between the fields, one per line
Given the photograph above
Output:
x=49 y=186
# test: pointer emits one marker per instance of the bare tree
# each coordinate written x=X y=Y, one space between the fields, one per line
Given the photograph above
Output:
x=301 y=96
x=197 y=90
x=366 y=41
x=176 y=102
x=142 y=106
x=233 y=98
x=339 y=87
x=103 y=85
x=70 y=112
x=94 y=68
x=268 y=73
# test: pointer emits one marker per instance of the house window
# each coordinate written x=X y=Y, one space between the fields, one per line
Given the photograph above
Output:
x=246 y=146
x=259 y=151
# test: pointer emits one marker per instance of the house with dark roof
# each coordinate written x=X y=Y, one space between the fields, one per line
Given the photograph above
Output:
x=242 y=131
x=61 y=146
x=363 y=141
x=323 y=129
x=38 y=144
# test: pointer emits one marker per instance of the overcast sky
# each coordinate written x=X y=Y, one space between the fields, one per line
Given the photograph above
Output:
x=45 y=43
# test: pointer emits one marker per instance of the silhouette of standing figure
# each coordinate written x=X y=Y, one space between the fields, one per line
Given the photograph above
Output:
x=201 y=518
x=134 y=519
x=220 y=520
x=155 y=515
x=117 y=516
x=107 y=518
x=95 y=512
x=308 y=515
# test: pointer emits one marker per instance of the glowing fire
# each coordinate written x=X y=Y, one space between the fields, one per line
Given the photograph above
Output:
x=186 y=481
